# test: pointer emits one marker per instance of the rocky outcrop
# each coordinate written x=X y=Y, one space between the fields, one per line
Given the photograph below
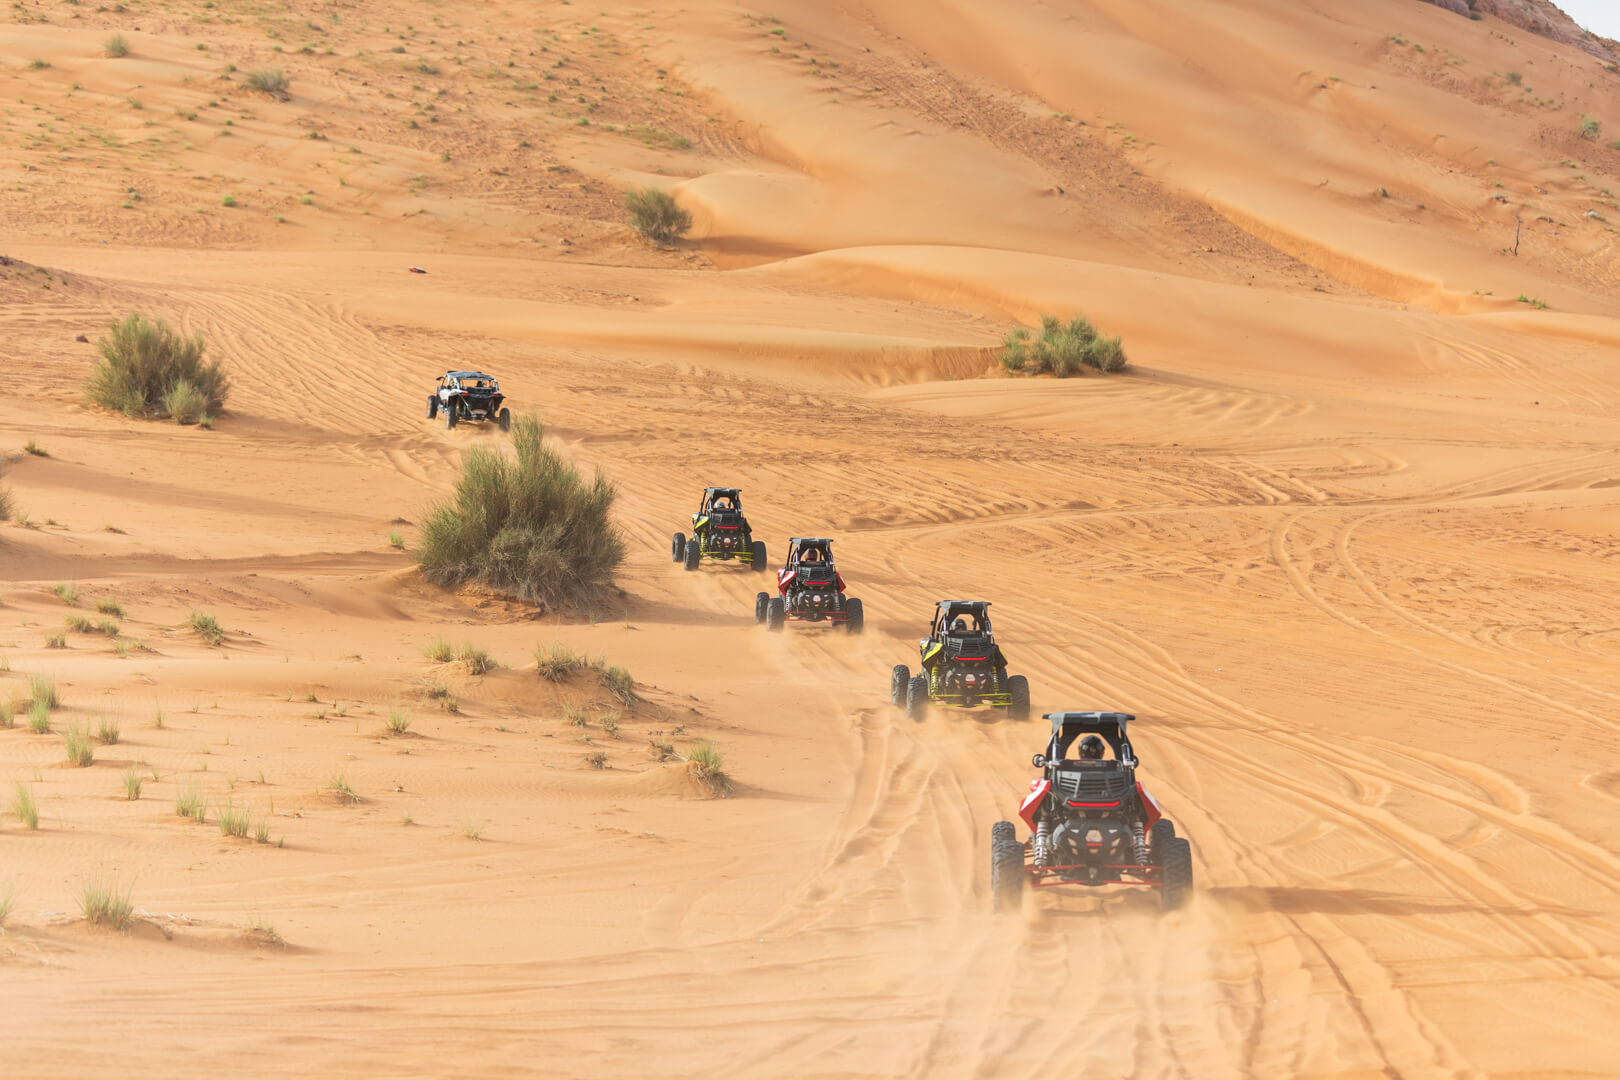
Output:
x=1538 y=17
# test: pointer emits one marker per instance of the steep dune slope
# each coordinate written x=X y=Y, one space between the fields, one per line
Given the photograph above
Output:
x=1342 y=537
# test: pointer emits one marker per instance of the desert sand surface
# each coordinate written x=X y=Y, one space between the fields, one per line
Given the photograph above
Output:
x=1343 y=536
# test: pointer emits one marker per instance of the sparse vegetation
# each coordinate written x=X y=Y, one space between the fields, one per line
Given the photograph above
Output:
x=234 y=820
x=206 y=626
x=7 y=899
x=272 y=81
x=596 y=760
x=33 y=449
x=398 y=722
x=107 y=731
x=23 y=805
x=76 y=743
x=39 y=717
x=115 y=47
x=441 y=651
x=656 y=215
x=575 y=715
x=472 y=830
x=264 y=929
x=475 y=660
x=619 y=684
x=556 y=662
x=339 y=786
x=132 y=783
x=77 y=623
x=396 y=541
x=1591 y=127
x=107 y=627
x=107 y=605
x=228 y=200
x=103 y=904
x=66 y=592
x=707 y=766
x=142 y=360
x=530 y=527
x=42 y=691
x=1060 y=349
x=184 y=403
x=190 y=803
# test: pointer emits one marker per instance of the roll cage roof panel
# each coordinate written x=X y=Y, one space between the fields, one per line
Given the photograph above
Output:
x=468 y=375
x=1069 y=726
x=977 y=610
x=711 y=494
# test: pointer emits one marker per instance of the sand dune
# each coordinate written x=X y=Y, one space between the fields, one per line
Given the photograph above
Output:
x=1342 y=537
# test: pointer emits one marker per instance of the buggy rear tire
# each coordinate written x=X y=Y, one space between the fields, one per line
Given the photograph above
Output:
x=856 y=621
x=693 y=554
x=433 y=406
x=762 y=601
x=775 y=613
x=757 y=551
x=1006 y=868
x=899 y=679
x=504 y=418
x=1018 y=691
x=449 y=415
x=1178 y=874
x=677 y=547
x=917 y=698
x=1163 y=831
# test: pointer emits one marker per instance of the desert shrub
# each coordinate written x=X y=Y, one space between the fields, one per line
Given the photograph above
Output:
x=5 y=496
x=234 y=821
x=107 y=605
x=555 y=662
x=656 y=215
x=207 y=626
x=142 y=360
x=190 y=803
x=1060 y=349
x=78 y=624
x=441 y=651
x=107 y=730
x=115 y=46
x=272 y=81
x=132 y=784
x=39 y=717
x=532 y=527
x=101 y=903
x=707 y=766
x=66 y=592
x=1591 y=127
x=475 y=660
x=619 y=684
x=24 y=806
x=184 y=403
x=76 y=742
x=42 y=689
x=398 y=722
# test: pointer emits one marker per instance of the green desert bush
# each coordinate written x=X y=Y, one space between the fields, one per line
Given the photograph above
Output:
x=441 y=651
x=116 y=47
x=398 y=722
x=1591 y=127
x=109 y=606
x=132 y=783
x=555 y=662
x=42 y=690
x=39 y=717
x=707 y=766
x=142 y=360
x=207 y=626
x=476 y=660
x=272 y=81
x=5 y=496
x=1060 y=349
x=24 y=806
x=656 y=215
x=184 y=403
x=102 y=903
x=80 y=751
x=190 y=803
x=234 y=820
x=530 y=527
x=66 y=592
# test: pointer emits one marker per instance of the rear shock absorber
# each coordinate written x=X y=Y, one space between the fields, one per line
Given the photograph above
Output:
x=1043 y=842
x=1140 y=839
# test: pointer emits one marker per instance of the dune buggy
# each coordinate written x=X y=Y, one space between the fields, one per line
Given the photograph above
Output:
x=961 y=667
x=1091 y=821
x=719 y=531
x=468 y=396
x=811 y=588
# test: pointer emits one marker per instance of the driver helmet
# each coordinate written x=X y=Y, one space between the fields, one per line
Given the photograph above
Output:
x=959 y=625
x=1091 y=748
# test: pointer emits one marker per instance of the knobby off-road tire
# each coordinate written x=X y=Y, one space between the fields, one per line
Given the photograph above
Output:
x=1018 y=691
x=693 y=554
x=1178 y=874
x=1163 y=831
x=450 y=416
x=757 y=549
x=775 y=614
x=1006 y=868
x=433 y=406
x=677 y=547
x=917 y=698
x=505 y=419
x=761 y=602
x=856 y=622
x=899 y=680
